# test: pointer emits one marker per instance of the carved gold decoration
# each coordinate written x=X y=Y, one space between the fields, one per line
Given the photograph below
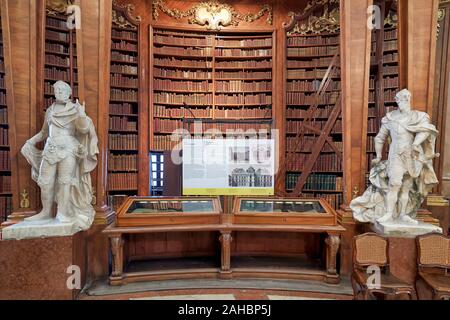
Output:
x=122 y=16
x=307 y=22
x=355 y=192
x=391 y=20
x=213 y=14
x=57 y=7
x=441 y=17
x=24 y=201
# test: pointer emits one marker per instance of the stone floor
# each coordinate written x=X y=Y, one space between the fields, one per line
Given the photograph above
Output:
x=209 y=289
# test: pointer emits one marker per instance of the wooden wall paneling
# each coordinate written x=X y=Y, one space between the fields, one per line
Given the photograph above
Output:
x=355 y=68
x=417 y=51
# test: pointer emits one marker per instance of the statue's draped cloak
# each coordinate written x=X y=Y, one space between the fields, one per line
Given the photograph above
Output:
x=371 y=205
x=80 y=208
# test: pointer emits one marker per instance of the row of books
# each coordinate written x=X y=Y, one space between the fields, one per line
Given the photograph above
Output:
x=244 y=64
x=162 y=111
x=121 y=80
x=182 y=74
x=320 y=112
x=391 y=35
x=55 y=73
x=391 y=57
x=123 y=141
x=123 y=162
x=51 y=22
x=325 y=182
x=391 y=82
x=167 y=125
x=164 y=84
x=238 y=86
x=2 y=66
x=389 y=94
x=300 y=41
x=5 y=160
x=335 y=200
x=3 y=115
x=164 y=97
x=5 y=184
x=233 y=128
x=313 y=63
x=302 y=98
x=310 y=85
x=245 y=43
x=311 y=51
x=2 y=98
x=115 y=201
x=119 y=68
x=182 y=63
x=390 y=69
x=2 y=82
x=126 y=35
x=122 y=108
x=57 y=36
x=187 y=52
x=244 y=99
x=391 y=45
x=164 y=143
x=52 y=59
x=243 y=52
x=122 y=123
x=122 y=181
x=370 y=144
x=181 y=40
x=307 y=143
x=4 y=139
x=243 y=74
x=122 y=57
x=55 y=47
x=243 y=113
x=5 y=208
x=293 y=126
x=123 y=45
x=372 y=125
x=304 y=73
x=129 y=95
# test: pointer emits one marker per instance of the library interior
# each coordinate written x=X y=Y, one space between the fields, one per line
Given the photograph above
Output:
x=224 y=149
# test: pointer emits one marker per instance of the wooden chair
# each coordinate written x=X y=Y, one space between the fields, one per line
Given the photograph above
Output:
x=434 y=264
x=371 y=249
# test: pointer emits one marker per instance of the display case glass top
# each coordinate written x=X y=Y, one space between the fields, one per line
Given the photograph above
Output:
x=153 y=211
x=282 y=206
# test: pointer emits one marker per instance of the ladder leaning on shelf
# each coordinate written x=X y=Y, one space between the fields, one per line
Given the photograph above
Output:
x=324 y=135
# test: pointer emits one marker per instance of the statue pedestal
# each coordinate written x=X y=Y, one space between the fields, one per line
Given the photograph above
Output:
x=41 y=269
x=405 y=230
x=38 y=229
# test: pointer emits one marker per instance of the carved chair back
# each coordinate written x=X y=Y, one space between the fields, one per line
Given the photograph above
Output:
x=370 y=249
x=433 y=252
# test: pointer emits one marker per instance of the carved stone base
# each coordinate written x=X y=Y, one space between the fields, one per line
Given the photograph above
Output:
x=42 y=269
x=38 y=229
x=406 y=230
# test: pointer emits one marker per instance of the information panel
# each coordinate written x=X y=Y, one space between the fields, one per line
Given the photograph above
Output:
x=228 y=166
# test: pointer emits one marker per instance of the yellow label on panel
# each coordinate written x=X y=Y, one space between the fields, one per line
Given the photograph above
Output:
x=228 y=191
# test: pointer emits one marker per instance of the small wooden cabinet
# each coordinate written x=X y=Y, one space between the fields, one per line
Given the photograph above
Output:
x=248 y=243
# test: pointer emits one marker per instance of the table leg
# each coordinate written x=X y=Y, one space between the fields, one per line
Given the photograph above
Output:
x=117 y=263
x=333 y=242
x=225 y=268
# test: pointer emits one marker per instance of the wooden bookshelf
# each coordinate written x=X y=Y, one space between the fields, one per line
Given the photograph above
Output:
x=124 y=108
x=309 y=55
x=5 y=160
x=210 y=76
x=60 y=58
x=384 y=76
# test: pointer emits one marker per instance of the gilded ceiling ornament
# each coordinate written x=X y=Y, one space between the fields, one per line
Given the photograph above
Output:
x=391 y=20
x=213 y=14
x=122 y=16
x=329 y=21
x=57 y=7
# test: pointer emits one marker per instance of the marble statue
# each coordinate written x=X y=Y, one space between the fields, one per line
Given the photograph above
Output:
x=400 y=184
x=62 y=170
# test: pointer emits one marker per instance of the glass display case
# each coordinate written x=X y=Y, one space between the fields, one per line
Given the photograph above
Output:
x=154 y=211
x=283 y=211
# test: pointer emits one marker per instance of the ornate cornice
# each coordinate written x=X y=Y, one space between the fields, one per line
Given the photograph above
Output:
x=122 y=16
x=213 y=14
x=57 y=7
x=308 y=22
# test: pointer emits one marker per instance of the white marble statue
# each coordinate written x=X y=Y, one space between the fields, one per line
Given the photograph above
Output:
x=62 y=170
x=400 y=184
